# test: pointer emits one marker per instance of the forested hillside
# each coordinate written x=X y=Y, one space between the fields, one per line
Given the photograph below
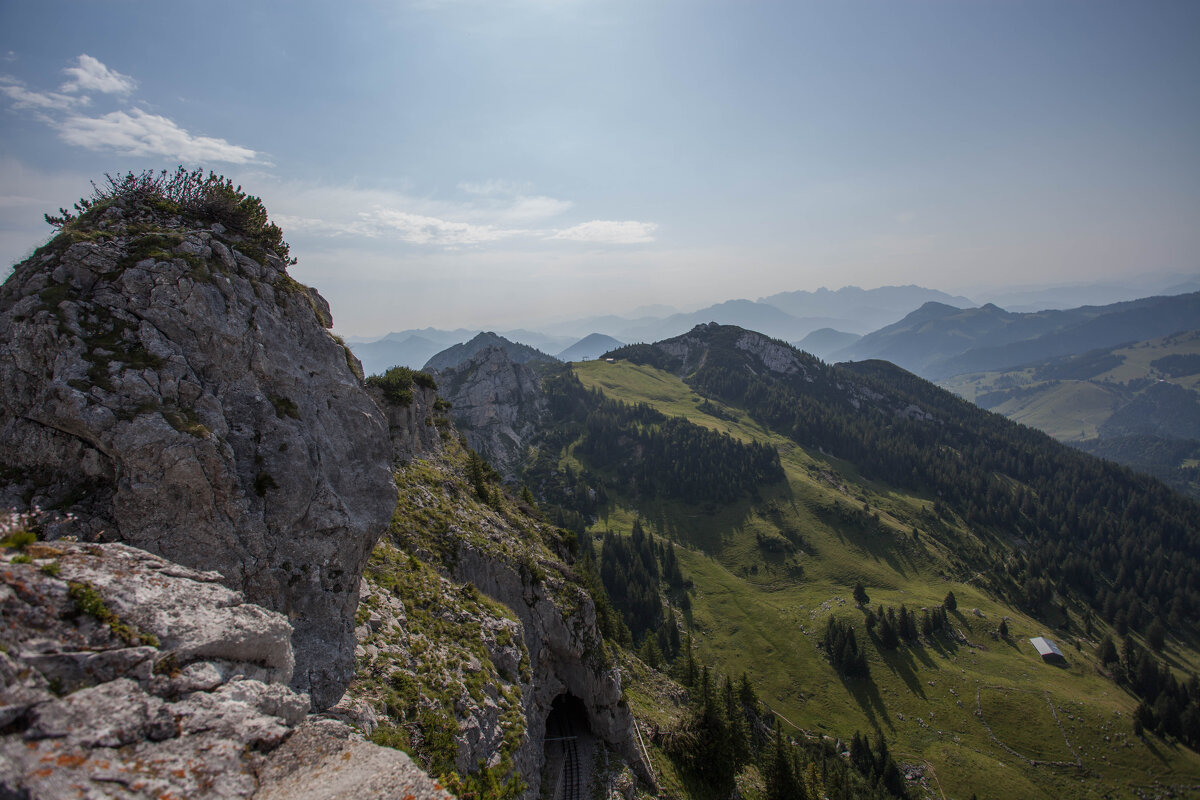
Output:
x=1125 y=545
x=902 y=491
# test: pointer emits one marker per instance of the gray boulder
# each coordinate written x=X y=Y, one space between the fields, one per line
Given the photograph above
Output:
x=123 y=675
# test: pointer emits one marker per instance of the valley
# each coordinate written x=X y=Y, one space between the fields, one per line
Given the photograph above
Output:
x=1137 y=403
x=983 y=714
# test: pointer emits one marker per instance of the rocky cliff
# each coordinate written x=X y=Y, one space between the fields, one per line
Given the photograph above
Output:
x=165 y=383
x=473 y=625
x=497 y=403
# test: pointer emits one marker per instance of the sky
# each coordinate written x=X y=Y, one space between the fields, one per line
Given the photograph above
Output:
x=501 y=163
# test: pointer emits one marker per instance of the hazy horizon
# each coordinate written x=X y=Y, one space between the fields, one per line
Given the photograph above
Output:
x=460 y=163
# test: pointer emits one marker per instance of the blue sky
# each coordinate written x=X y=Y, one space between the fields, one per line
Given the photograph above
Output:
x=501 y=163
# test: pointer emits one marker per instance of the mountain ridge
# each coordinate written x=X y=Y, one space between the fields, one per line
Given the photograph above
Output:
x=459 y=353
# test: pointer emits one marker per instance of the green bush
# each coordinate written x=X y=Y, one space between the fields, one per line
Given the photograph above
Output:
x=396 y=385
x=88 y=601
x=212 y=198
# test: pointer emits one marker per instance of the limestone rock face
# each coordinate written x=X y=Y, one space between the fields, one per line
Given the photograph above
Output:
x=167 y=385
x=566 y=654
x=155 y=699
x=497 y=404
x=412 y=427
x=123 y=675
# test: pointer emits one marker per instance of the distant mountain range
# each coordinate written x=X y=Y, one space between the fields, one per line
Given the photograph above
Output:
x=1137 y=403
x=824 y=342
x=861 y=310
x=938 y=341
x=1090 y=294
x=790 y=316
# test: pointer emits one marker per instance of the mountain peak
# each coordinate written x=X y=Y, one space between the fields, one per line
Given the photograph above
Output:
x=459 y=353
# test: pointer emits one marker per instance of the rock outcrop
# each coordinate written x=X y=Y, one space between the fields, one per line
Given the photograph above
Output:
x=497 y=403
x=123 y=675
x=165 y=383
x=472 y=622
x=413 y=427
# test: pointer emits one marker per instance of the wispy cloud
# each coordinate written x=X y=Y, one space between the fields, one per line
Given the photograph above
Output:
x=24 y=98
x=486 y=213
x=603 y=231
x=90 y=74
x=140 y=134
x=130 y=131
x=424 y=230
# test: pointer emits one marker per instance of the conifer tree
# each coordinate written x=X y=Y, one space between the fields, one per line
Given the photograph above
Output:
x=780 y=772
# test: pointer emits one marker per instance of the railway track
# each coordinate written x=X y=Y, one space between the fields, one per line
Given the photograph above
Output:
x=570 y=778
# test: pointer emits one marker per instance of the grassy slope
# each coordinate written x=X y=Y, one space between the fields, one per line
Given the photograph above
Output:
x=764 y=614
x=1072 y=410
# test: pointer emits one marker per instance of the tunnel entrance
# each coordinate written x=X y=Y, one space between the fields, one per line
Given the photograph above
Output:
x=569 y=750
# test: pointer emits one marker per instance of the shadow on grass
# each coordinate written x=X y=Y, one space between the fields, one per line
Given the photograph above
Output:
x=943 y=645
x=901 y=662
x=1149 y=742
x=856 y=528
x=919 y=652
x=705 y=529
x=866 y=694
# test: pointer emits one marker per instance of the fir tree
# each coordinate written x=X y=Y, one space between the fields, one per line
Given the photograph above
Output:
x=950 y=603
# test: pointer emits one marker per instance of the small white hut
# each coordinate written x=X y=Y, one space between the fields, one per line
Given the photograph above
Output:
x=1047 y=649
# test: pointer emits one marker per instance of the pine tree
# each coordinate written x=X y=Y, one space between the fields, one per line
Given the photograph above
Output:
x=739 y=736
x=650 y=653
x=1107 y=651
x=780 y=772
x=690 y=673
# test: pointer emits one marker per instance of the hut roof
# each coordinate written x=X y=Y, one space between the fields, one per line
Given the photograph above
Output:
x=1045 y=647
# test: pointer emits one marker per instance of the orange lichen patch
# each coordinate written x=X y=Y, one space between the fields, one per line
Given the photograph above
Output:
x=45 y=772
x=71 y=760
x=179 y=773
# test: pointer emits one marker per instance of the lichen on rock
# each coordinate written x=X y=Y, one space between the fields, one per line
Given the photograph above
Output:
x=124 y=675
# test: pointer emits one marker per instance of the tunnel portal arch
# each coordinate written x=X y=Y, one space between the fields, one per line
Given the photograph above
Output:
x=569 y=749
